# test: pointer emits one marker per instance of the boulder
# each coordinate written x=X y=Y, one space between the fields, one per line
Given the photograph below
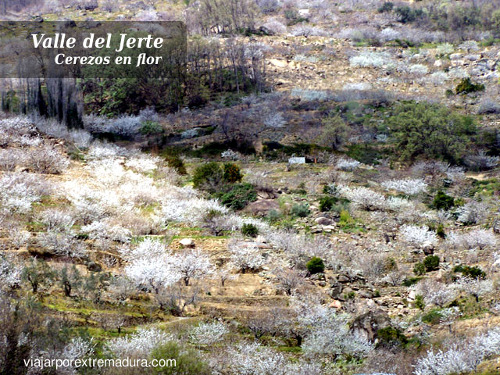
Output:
x=187 y=242
x=367 y=324
x=323 y=221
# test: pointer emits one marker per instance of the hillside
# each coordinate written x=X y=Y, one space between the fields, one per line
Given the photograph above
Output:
x=323 y=197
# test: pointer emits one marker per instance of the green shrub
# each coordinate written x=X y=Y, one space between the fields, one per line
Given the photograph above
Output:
x=187 y=361
x=300 y=210
x=326 y=203
x=273 y=216
x=151 y=128
x=238 y=196
x=419 y=302
x=391 y=336
x=432 y=317
x=208 y=176
x=407 y=14
x=423 y=130
x=440 y=231
x=411 y=281
x=472 y=272
x=442 y=201
x=232 y=173
x=386 y=7
x=419 y=269
x=249 y=230
x=431 y=263
x=175 y=161
x=315 y=265
x=466 y=86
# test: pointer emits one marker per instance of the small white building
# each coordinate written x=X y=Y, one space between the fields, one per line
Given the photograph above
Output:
x=297 y=160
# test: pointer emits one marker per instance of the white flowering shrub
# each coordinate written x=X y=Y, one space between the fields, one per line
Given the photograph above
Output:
x=347 y=165
x=275 y=26
x=103 y=230
x=246 y=256
x=331 y=337
x=10 y=159
x=455 y=174
x=481 y=161
x=143 y=163
x=62 y=244
x=418 y=69
x=78 y=348
x=17 y=193
x=389 y=34
x=359 y=86
x=469 y=46
x=275 y=120
x=408 y=186
x=46 y=160
x=438 y=78
x=150 y=265
x=309 y=95
x=230 y=155
x=436 y=293
x=402 y=205
x=255 y=359
x=461 y=358
x=100 y=150
x=364 y=198
x=368 y=59
x=208 y=333
x=472 y=212
x=474 y=239
x=418 y=236
x=139 y=344
x=193 y=264
x=10 y=271
x=445 y=48
x=57 y=220
x=191 y=211
x=475 y=287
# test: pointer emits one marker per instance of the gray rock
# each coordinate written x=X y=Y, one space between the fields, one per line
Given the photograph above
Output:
x=323 y=221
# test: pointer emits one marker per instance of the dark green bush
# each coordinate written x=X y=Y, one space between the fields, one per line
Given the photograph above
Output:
x=232 y=173
x=443 y=201
x=440 y=231
x=238 y=196
x=411 y=281
x=423 y=130
x=175 y=161
x=472 y=272
x=407 y=14
x=326 y=203
x=432 y=317
x=391 y=336
x=419 y=269
x=300 y=210
x=431 y=263
x=419 y=302
x=386 y=7
x=315 y=265
x=208 y=176
x=249 y=230
x=466 y=86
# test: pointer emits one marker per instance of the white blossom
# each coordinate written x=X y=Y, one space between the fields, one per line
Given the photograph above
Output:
x=139 y=344
x=418 y=236
x=208 y=333
x=408 y=186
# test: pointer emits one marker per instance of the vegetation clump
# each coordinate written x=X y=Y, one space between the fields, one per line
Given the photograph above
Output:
x=315 y=265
